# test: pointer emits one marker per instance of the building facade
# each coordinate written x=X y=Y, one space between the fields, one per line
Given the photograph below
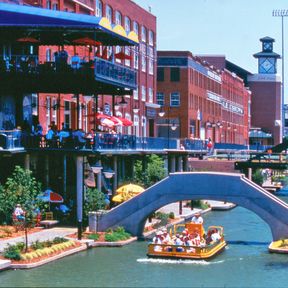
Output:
x=140 y=107
x=200 y=100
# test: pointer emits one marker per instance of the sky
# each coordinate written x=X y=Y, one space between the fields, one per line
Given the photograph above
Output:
x=220 y=27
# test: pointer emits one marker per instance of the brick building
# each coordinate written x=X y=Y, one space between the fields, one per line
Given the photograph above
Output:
x=200 y=100
x=139 y=107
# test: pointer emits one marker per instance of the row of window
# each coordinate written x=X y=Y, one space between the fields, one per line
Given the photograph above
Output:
x=174 y=99
x=127 y=22
x=143 y=94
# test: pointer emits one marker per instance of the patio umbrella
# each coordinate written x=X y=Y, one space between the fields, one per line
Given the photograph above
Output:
x=130 y=188
x=87 y=41
x=125 y=122
x=27 y=40
x=51 y=197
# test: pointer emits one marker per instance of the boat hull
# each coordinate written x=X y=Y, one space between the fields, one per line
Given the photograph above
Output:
x=185 y=252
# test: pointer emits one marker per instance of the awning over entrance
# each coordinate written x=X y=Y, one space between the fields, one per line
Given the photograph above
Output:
x=52 y=27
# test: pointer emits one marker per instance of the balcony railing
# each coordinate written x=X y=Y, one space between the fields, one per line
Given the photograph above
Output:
x=10 y=140
x=104 y=71
x=114 y=73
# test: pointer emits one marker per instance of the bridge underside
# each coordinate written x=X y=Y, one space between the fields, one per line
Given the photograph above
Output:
x=233 y=188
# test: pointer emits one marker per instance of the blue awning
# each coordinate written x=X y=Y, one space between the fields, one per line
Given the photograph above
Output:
x=51 y=26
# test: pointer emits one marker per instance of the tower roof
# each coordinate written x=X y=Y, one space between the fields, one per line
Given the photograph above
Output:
x=267 y=39
x=266 y=54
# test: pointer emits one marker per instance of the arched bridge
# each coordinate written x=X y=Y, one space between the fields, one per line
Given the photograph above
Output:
x=233 y=188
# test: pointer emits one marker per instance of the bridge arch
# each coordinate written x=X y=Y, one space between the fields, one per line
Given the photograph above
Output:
x=235 y=188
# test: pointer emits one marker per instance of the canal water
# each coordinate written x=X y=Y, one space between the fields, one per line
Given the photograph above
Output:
x=246 y=262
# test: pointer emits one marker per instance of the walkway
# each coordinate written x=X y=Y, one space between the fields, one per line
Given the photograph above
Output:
x=45 y=234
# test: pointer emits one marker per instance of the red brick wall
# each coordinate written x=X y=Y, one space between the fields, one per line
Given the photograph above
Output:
x=215 y=165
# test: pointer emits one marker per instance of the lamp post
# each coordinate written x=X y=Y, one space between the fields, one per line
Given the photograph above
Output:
x=282 y=13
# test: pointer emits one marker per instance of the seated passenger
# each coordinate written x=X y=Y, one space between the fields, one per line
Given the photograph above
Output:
x=19 y=213
x=215 y=236
x=165 y=236
x=197 y=219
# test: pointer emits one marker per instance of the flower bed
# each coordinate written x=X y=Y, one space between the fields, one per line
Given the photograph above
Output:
x=38 y=251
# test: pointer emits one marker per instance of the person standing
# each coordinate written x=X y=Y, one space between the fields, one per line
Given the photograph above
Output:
x=197 y=219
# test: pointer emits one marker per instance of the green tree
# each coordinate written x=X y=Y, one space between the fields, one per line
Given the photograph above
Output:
x=257 y=177
x=153 y=173
x=94 y=201
x=20 y=188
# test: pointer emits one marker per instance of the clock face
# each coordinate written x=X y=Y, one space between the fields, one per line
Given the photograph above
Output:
x=267 y=65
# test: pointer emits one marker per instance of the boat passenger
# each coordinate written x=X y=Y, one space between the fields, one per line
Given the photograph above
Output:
x=165 y=236
x=197 y=219
x=215 y=236
x=157 y=240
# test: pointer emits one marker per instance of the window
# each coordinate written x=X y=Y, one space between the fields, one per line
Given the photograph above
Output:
x=118 y=18
x=55 y=6
x=99 y=8
x=136 y=125
x=109 y=13
x=54 y=111
x=136 y=59
x=48 y=4
x=48 y=119
x=143 y=124
x=160 y=74
x=150 y=61
x=150 y=95
x=48 y=55
x=175 y=99
x=143 y=57
x=136 y=93
x=143 y=92
x=175 y=74
x=118 y=50
x=160 y=98
x=127 y=24
x=127 y=52
x=136 y=27
x=151 y=38
x=34 y=104
x=67 y=114
x=143 y=34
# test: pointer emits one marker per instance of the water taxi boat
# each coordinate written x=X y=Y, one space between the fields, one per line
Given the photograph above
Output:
x=280 y=246
x=199 y=251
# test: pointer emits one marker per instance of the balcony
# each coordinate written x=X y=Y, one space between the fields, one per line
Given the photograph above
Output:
x=98 y=75
x=115 y=74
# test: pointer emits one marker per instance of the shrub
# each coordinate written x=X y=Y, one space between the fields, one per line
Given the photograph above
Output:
x=171 y=215
x=94 y=236
x=37 y=245
x=12 y=252
x=118 y=234
x=58 y=240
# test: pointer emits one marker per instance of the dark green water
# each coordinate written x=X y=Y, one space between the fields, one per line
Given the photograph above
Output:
x=246 y=262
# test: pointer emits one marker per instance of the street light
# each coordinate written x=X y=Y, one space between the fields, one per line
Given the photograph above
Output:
x=282 y=13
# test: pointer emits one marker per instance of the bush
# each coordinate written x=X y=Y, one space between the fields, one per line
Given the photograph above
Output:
x=93 y=236
x=58 y=240
x=118 y=234
x=38 y=245
x=12 y=252
x=171 y=215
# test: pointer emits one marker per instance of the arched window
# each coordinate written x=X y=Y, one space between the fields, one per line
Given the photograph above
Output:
x=109 y=13
x=99 y=8
x=129 y=128
x=118 y=18
x=136 y=27
x=127 y=24
x=136 y=125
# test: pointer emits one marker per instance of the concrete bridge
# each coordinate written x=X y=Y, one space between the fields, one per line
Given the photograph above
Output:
x=229 y=187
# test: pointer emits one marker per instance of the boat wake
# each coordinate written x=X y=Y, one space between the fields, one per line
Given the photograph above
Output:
x=178 y=261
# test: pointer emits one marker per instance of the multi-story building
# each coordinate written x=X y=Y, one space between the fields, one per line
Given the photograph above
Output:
x=139 y=108
x=204 y=101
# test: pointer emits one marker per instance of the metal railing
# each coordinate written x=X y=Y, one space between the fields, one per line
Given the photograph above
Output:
x=114 y=73
x=10 y=139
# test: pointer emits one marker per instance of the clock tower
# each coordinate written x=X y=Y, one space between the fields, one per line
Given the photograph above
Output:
x=266 y=100
x=267 y=59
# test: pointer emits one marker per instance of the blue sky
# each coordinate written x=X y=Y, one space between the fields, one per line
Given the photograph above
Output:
x=227 y=27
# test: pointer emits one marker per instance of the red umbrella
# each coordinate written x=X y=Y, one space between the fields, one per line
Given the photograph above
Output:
x=28 y=40
x=121 y=55
x=87 y=41
x=51 y=197
x=125 y=121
